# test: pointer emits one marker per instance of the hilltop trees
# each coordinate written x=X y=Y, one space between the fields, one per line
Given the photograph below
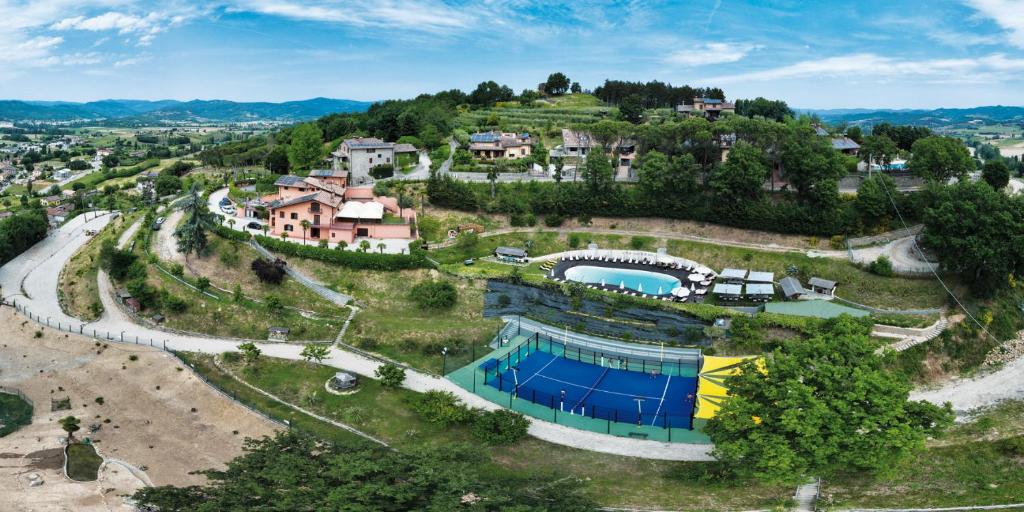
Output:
x=306 y=147
x=776 y=110
x=811 y=165
x=820 y=406
x=654 y=94
x=631 y=108
x=977 y=231
x=878 y=149
x=557 y=84
x=903 y=135
x=490 y=92
x=940 y=159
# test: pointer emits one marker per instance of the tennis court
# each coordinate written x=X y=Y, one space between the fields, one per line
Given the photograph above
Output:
x=604 y=387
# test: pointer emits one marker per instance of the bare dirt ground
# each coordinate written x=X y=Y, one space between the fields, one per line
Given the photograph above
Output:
x=166 y=246
x=155 y=415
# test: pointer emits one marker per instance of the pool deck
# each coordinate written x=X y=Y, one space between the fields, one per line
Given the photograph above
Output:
x=682 y=275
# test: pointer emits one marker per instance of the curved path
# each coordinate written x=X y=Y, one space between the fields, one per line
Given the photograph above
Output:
x=44 y=262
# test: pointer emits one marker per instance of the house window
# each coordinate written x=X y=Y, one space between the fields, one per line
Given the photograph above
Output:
x=371 y=159
x=295 y=216
x=288 y=227
x=388 y=160
x=332 y=235
x=316 y=220
x=282 y=214
x=315 y=207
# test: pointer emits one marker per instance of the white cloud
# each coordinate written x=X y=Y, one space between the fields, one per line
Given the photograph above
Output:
x=711 y=53
x=145 y=27
x=31 y=50
x=1008 y=14
x=415 y=15
x=869 y=66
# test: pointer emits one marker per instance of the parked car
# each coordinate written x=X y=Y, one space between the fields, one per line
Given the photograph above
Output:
x=254 y=225
x=230 y=210
x=157 y=223
x=224 y=201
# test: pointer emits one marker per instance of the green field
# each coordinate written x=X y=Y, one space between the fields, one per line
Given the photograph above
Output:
x=83 y=462
x=14 y=413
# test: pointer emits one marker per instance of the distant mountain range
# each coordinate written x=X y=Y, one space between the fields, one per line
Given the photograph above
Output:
x=935 y=117
x=143 y=111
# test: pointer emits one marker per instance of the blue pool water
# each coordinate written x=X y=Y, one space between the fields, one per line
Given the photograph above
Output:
x=636 y=280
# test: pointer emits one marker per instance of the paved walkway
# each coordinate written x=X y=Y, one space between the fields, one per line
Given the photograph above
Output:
x=47 y=258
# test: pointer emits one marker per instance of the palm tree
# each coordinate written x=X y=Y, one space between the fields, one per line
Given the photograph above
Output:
x=265 y=227
x=284 y=236
x=70 y=424
x=231 y=223
x=492 y=176
x=381 y=246
x=305 y=226
x=364 y=245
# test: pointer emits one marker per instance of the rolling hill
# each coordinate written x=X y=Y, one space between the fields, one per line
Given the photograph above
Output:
x=935 y=117
x=143 y=111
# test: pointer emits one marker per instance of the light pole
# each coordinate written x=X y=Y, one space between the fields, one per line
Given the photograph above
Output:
x=444 y=360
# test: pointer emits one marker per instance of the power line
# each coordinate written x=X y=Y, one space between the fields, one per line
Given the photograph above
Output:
x=932 y=268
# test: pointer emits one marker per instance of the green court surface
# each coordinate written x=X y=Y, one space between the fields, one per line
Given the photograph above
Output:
x=813 y=308
x=471 y=378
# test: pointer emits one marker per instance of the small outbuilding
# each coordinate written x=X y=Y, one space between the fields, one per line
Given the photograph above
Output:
x=727 y=291
x=791 y=288
x=733 y=275
x=823 y=286
x=277 y=334
x=511 y=254
x=761 y=277
x=760 y=292
x=343 y=380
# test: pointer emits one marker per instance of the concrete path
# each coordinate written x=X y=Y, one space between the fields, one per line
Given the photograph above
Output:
x=806 y=496
x=45 y=260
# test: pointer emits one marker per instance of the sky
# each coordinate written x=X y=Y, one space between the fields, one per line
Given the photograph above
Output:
x=812 y=54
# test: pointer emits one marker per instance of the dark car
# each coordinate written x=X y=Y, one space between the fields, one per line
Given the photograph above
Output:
x=254 y=225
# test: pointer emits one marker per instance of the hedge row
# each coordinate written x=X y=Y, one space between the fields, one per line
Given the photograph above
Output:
x=351 y=259
x=232 y=234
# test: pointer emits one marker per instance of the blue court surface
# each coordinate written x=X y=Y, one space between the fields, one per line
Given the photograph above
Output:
x=596 y=390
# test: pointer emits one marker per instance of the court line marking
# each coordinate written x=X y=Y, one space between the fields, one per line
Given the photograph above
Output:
x=553 y=359
x=632 y=395
x=663 y=392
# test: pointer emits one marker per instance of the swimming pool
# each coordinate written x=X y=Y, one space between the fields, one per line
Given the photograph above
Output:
x=642 y=281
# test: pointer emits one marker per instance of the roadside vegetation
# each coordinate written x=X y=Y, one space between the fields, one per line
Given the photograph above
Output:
x=79 y=292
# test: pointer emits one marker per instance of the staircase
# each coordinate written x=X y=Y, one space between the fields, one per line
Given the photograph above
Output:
x=806 y=496
x=907 y=337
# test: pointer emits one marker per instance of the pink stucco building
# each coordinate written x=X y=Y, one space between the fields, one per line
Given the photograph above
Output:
x=335 y=212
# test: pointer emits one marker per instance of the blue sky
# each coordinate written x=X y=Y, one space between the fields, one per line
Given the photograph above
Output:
x=813 y=54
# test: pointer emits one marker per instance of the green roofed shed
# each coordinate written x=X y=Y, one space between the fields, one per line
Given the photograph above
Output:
x=813 y=308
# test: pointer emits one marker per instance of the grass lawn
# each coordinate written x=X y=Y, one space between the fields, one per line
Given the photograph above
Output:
x=436 y=223
x=78 y=288
x=228 y=262
x=83 y=462
x=854 y=284
x=244 y=319
x=611 y=480
x=14 y=413
x=972 y=465
x=390 y=324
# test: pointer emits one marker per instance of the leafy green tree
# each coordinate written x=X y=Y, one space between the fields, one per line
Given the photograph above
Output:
x=191 y=233
x=305 y=225
x=390 y=375
x=557 y=84
x=434 y=295
x=306 y=147
x=631 y=108
x=877 y=149
x=598 y=174
x=167 y=184
x=996 y=173
x=940 y=159
x=669 y=180
x=250 y=352
x=822 y=405
x=70 y=424
x=296 y=471
x=978 y=232
x=811 y=165
x=575 y=88
x=277 y=160
x=315 y=352
x=873 y=205
x=740 y=180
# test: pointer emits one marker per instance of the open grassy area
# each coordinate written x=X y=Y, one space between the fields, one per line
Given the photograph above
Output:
x=854 y=283
x=611 y=480
x=391 y=324
x=14 y=413
x=228 y=262
x=977 y=463
x=83 y=462
x=78 y=287
x=242 y=319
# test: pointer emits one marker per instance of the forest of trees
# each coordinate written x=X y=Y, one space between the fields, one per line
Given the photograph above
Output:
x=654 y=94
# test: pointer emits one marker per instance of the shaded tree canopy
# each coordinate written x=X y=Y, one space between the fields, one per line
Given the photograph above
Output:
x=939 y=159
x=820 y=406
x=557 y=84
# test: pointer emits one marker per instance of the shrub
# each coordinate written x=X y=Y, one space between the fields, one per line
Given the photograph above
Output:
x=636 y=242
x=531 y=220
x=177 y=270
x=273 y=303
x=231 y=234
x=350 y=259
x=203 y=283
x=390 y=375
x=231 y=357
x=1012 y=446
x=881 y=267
x=837 y=242
x=382 y=171
x=441 y=407
x=434 y=295
x=500 y=426
x=574 y=240
x=268 y=271
x=553 y=220
x=173 y=303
